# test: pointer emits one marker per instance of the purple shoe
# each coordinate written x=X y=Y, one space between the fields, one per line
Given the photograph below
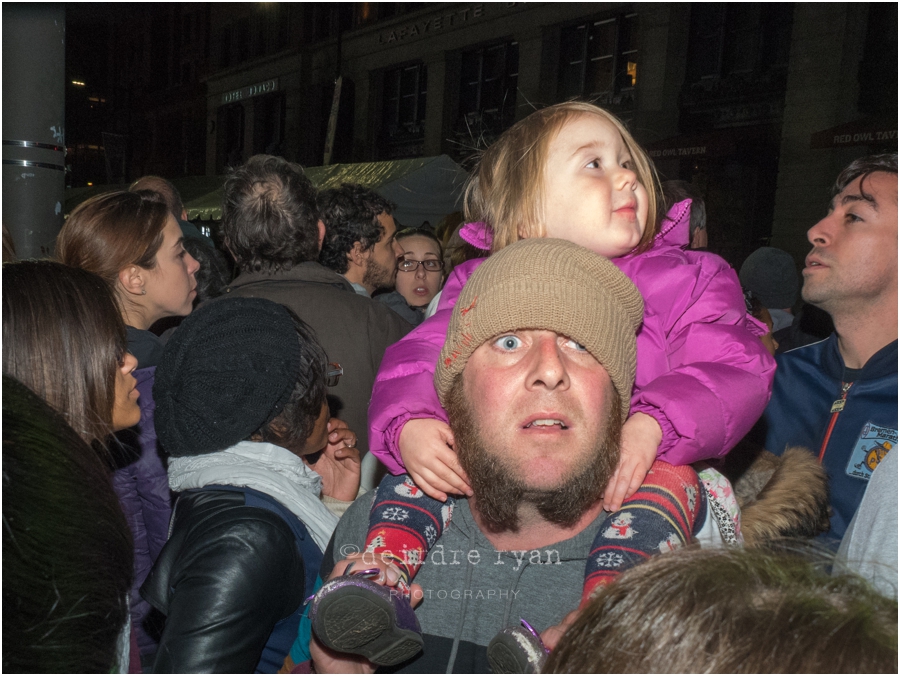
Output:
x=517 y=650
x=351 y=614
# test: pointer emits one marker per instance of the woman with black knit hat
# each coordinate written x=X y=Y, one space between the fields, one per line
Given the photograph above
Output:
x=241 y=411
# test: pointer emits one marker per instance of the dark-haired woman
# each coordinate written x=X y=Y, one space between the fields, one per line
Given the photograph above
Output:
x=135 y=245
x=67 y=556
x=63 y=337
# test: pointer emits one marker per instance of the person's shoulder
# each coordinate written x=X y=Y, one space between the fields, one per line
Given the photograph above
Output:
x=396 y=302
x=222 y=520
x=668 y=276
x=145 y=346
x=299 y=274
x=805 y=356
x=380 y=315
x=391 y=299
x=660 y=260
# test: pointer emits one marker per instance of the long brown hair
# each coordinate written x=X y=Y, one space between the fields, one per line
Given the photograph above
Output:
x=109 y=232
x=63 y=337
x=67 y=550
x=506 y=189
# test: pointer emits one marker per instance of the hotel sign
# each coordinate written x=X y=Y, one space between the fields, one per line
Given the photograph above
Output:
x=249 y=92
x=454 y=17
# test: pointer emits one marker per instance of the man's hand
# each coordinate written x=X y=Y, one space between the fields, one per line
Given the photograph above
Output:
x=641 y=435
x=426 y=446
x=339 y=463
x=327 y=661
x=551 y=635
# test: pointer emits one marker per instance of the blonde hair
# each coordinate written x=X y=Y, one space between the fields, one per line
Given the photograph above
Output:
x=506 y=189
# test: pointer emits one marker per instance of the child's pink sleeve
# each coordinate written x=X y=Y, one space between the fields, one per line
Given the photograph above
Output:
x=404 y=387
x=703 y=372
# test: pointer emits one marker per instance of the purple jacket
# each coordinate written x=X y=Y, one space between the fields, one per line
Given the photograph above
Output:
x=143 y=490
x=702 y=371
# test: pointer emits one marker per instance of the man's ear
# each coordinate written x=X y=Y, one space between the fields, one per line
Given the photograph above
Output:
x=357 y=255
x=131 y=279
x=321 y=226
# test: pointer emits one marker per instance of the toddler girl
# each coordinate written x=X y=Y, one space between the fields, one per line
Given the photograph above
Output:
x=572 y=171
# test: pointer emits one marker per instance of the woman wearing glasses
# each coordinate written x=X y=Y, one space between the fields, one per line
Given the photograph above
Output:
x=420 y=274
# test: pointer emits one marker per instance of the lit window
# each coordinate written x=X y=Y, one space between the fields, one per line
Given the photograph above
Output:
x=599 y=60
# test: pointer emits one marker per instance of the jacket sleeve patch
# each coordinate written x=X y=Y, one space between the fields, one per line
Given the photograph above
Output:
x=873 y=444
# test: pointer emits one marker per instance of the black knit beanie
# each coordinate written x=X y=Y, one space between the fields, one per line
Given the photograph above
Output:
x=227 y=370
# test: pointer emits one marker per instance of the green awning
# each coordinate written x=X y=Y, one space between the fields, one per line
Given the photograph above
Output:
x=424 y=188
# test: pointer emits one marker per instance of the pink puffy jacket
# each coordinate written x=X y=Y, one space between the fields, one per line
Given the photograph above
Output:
x=702 y=371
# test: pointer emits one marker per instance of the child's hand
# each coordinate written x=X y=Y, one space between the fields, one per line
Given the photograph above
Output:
x=641 y=435
x=426 y=446
x=338 y=463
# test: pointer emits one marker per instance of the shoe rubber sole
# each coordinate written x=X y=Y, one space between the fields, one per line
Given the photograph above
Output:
x=509 y=654
x=358 y=622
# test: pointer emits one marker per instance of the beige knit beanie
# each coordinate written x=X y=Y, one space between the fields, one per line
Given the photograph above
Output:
x=550 y=285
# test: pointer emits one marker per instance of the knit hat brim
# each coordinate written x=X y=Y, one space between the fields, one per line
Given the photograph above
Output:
x=553 y=285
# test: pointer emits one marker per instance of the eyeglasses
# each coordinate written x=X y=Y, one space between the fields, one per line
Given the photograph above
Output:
x=333 y=374
x=409 y=265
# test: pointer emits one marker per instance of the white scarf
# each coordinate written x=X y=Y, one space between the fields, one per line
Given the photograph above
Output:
x=266 y=468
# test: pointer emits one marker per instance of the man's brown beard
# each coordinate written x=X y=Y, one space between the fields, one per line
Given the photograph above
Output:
x=499 y=494
x=377 y=276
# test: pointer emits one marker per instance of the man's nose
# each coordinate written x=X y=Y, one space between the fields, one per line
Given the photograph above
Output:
x=548 y=367
x=820 y=233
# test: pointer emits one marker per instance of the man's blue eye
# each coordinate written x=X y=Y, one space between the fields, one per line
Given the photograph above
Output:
x=575 y=345
x=508 y=343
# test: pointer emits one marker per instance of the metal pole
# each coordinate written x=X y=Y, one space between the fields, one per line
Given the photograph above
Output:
x=34 y=148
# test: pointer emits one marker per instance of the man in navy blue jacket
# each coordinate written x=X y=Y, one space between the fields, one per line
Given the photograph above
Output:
x=838 y=397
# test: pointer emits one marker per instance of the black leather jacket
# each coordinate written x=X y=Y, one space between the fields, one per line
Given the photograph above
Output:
x=228 y=573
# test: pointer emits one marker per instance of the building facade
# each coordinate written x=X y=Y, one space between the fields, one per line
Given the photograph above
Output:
x=727 y=96
x=757 y=105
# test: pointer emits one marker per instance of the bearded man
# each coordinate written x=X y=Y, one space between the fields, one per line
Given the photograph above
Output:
x=359 y=237
x=536 y=376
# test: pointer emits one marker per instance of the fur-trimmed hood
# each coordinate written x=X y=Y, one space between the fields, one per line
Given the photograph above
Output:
x=784 y=496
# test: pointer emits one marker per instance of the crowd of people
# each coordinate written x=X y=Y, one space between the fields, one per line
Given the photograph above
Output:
x=556 y=434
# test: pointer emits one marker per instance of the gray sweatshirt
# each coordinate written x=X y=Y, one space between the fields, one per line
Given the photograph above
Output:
x=472 y=591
